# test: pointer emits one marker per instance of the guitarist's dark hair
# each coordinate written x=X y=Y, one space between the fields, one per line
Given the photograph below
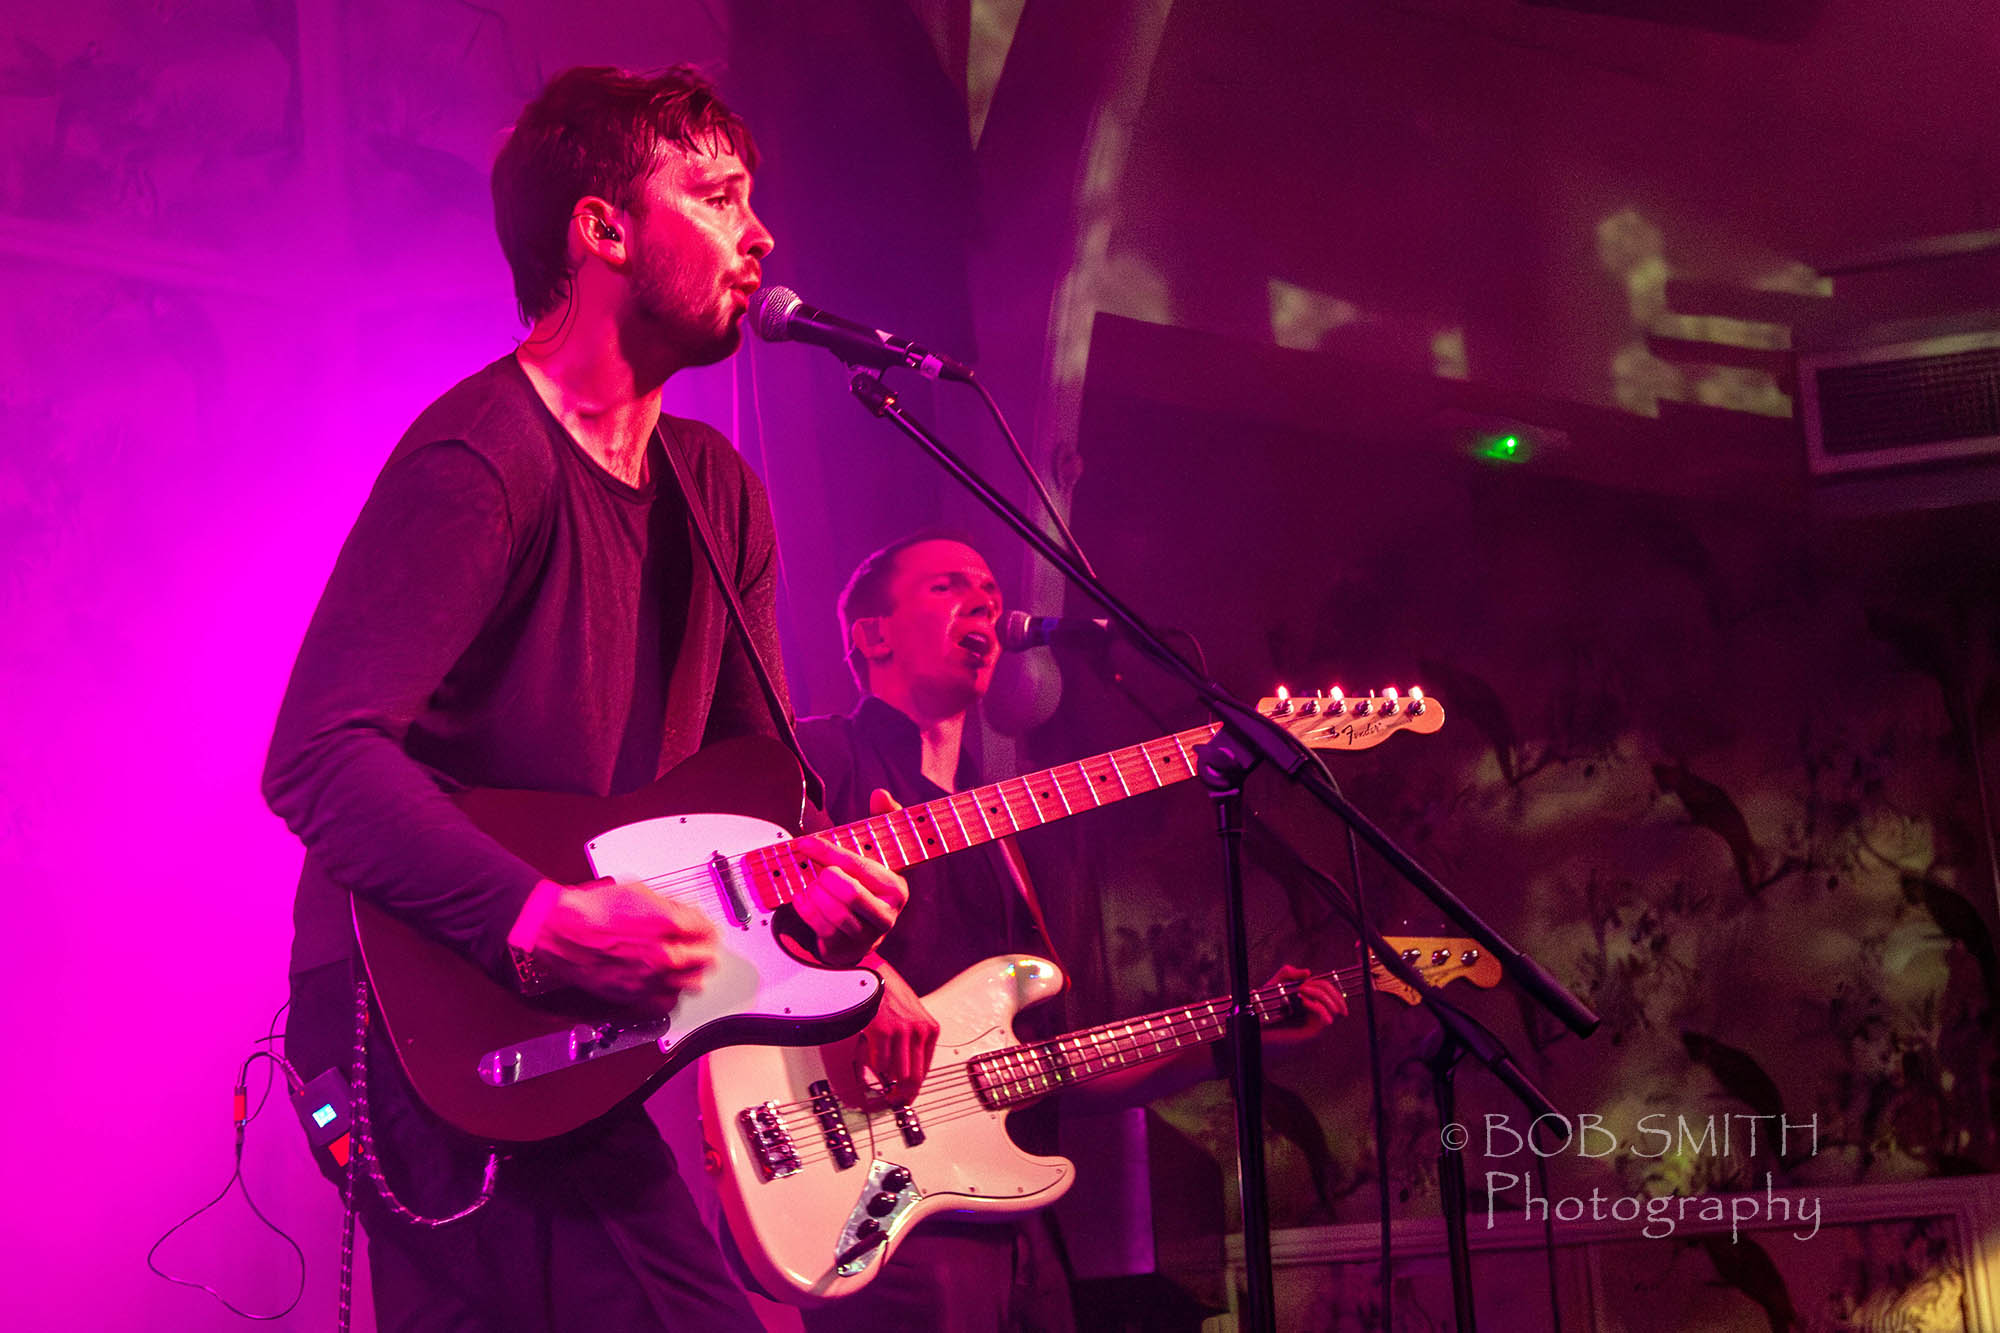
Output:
x=596 y=130
x=867 y=591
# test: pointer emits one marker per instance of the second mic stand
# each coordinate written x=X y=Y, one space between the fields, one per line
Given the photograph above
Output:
x=1250 y=737
x=1222 y=768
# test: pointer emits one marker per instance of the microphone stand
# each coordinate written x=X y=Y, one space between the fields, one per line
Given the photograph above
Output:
x=1247 y=738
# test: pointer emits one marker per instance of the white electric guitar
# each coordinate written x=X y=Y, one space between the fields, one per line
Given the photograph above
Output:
x=821 y=1178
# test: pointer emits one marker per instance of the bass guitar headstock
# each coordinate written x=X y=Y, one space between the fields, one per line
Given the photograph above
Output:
x=1440 y=961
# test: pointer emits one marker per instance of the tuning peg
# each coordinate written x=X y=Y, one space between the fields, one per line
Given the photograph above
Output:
x=1416 y=700
x=1388 y=701
x=1337 y=704
x=1284 y=702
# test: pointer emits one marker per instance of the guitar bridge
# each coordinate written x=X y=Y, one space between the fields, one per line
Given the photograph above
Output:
x=770 y=1143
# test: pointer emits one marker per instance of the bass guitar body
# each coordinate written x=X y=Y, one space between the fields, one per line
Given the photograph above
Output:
x=821 y=1178
x=815 y=1220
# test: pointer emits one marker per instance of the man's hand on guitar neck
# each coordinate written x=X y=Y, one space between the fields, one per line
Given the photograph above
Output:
x=853 y=901
x=623 y=942
x=1319 y=1004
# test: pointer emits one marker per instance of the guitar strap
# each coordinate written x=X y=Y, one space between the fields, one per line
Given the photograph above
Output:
x=781 y=713
x=1017 y=868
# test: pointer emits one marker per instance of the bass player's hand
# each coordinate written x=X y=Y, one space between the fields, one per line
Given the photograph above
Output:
x=898 y=1043
x=1319 y=1004
x=621 y=941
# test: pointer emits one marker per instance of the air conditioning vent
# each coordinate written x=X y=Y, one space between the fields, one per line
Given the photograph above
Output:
x=1905 y=403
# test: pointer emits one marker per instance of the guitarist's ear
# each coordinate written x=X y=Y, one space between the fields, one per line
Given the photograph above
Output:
x=867 y=639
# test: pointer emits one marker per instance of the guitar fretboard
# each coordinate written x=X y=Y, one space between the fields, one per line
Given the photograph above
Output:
x=1019 y=1074
x=965 y=819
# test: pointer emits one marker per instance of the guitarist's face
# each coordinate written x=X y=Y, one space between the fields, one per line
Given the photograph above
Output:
x=940 y=640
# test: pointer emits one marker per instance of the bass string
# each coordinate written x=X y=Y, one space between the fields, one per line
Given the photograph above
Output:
x=799 y=1119
x=955 y=1106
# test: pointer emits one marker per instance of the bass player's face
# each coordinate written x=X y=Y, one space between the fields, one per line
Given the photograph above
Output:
x=940 y=640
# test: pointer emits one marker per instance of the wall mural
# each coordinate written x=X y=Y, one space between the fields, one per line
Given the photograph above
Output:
x=1717 y=782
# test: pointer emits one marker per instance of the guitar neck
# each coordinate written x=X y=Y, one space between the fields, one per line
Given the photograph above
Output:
x=1020 y=1074
x=953 y=823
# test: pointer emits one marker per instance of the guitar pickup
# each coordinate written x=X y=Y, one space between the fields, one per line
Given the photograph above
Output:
x=729 y=874
x=826 y=1107
x=913 y=1128
x=770 y=1143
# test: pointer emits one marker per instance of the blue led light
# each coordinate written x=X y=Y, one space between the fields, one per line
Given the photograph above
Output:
x=324 y=1116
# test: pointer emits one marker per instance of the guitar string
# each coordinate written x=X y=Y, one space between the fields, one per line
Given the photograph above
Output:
x=958 y=1104
x=1190 y=1018
x=799 y=1119
x=961 y=1103
x=1194 y=1026
x=1078 y=779
x=1069 y=780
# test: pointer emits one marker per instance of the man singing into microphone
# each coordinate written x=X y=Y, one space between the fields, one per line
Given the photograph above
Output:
x=526 y=601
x=921 y=622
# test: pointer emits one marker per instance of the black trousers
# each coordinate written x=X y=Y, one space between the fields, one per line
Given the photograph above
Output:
x=591 y=1231
x=963 y=1277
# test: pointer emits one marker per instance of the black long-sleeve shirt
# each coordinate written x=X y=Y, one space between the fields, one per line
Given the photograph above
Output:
x=505 y=613
x=963 y=907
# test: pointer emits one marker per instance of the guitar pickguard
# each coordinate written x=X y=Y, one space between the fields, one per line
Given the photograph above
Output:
x=754 y=978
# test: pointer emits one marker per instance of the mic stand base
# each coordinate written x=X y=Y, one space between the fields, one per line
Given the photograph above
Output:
x=1442 y=1060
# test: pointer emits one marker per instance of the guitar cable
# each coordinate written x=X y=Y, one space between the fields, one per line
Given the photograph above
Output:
x=242 y=1114
x=362 y=1156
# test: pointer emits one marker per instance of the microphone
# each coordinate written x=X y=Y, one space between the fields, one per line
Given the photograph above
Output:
x=1019 y=630
x=778 y=315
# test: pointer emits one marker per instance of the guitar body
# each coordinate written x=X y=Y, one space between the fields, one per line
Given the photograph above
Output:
x=793 y=1228
x=501 y=1065
x=821 y=1182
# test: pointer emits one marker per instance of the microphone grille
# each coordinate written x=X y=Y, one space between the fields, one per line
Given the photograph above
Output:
x=771 y=312
x=1014 y=634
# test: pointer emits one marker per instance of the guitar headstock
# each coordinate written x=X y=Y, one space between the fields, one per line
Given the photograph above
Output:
x=1439 y=960
x=1352 y=721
